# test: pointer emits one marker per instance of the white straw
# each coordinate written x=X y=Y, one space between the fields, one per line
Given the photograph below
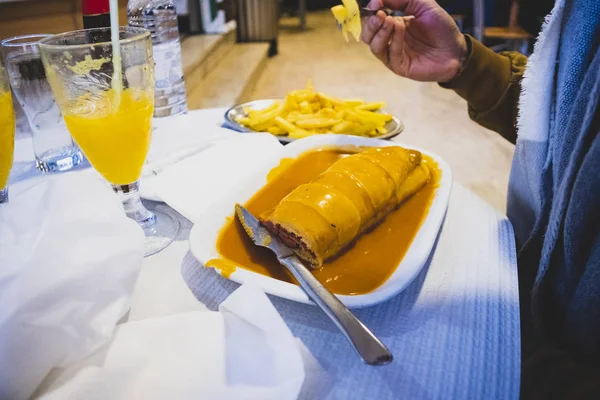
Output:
x=114 y=36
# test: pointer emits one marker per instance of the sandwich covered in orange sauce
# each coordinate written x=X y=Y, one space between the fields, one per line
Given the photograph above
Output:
x=318 y=220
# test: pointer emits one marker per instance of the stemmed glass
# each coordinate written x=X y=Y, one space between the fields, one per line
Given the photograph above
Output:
x=110 y=115
x=7 y=133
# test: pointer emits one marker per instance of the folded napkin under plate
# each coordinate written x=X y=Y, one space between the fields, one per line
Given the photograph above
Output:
x=192 y=185
x=176 y=138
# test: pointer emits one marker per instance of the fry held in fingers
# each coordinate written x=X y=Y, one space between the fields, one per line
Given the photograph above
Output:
x=347 y=16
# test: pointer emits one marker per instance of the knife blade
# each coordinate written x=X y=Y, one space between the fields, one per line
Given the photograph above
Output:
x=260 y=235
x=367 y=345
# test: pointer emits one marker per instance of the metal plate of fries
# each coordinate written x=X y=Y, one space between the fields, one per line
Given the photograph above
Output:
x=232 y=117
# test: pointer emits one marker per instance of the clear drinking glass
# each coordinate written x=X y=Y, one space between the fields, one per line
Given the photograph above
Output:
x=7 y=133
x=53 y=146
x=110 y=119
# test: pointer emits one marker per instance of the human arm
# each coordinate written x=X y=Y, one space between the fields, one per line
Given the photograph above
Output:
x=426 y=45
x=491 y=85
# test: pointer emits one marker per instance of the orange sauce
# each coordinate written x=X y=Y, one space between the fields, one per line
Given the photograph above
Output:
x=361 y=268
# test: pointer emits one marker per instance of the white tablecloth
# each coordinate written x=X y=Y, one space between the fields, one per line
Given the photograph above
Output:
x=454 y=331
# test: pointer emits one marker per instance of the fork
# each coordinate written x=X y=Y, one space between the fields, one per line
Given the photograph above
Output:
x=368 y=12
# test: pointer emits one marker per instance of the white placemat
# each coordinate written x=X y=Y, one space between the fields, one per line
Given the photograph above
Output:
x=454 y=333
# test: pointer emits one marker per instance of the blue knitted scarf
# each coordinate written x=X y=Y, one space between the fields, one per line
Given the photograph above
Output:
x=554 y=192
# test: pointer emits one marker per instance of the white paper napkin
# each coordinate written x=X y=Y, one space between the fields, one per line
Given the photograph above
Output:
x=245 y=351
x=69 y=258
x=192 y=185
x=180 y=136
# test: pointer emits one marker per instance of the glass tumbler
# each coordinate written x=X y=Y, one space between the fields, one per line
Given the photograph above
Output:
x=7 y=133
x=53 y=146
x=107 y=100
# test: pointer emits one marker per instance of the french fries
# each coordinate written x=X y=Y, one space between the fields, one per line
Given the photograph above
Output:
x=307 y=112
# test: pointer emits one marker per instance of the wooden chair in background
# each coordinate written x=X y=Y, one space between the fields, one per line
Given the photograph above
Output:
x=513 y=36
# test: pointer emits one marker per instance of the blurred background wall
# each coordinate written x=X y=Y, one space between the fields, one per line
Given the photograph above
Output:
x=20 y=17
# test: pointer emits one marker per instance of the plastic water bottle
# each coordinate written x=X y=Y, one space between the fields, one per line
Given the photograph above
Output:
x=160 y=18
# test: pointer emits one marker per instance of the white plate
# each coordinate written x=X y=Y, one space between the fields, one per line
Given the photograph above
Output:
x=203 y=237
x=394 y=127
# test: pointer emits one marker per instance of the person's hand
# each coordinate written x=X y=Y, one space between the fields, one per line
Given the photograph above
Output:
x=425 y=45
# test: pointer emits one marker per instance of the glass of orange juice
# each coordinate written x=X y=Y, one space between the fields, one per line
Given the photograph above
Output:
x=7 y=133
x=107 y=100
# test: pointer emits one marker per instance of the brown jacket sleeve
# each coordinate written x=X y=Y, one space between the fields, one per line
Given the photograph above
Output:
x=491 y=84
